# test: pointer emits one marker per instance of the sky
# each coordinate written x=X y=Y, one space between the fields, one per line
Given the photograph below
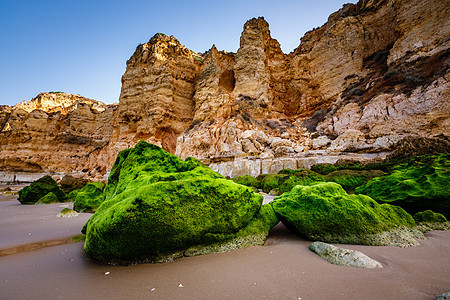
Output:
x=81 y=47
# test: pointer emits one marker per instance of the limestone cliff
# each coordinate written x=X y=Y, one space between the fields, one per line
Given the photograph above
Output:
x=54 y=132
x=374 y=73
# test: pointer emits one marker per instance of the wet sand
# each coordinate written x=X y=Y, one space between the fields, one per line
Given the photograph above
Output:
x=282 y=269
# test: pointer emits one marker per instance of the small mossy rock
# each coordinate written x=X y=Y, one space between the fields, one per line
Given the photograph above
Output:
x=343 y=257
x=38 y=189
x=89 y=198
x=158 y=207
x=325 y=212
x=275 y=192
x=67 y=213
x=72 y=195
x=429 y=216
x=416 y=185
x=48 y=199
x=351 y=179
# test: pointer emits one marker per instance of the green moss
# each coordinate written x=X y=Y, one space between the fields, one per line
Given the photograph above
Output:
x=429 y=217
x=158 y=206
x=38 y=189
x=418 y=184
x=271 y=181
x=247 y=180
x=300 y=177
x=72 y=195
x=89 y=198
x=325 y=212
x=79 y=238
x=351 y=179
x=323 y=169
x=48 y=199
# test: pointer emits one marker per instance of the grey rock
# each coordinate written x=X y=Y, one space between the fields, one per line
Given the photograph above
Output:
x=343 y=257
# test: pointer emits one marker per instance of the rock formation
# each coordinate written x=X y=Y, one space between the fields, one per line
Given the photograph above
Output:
x=54 y=132
x=374 y=73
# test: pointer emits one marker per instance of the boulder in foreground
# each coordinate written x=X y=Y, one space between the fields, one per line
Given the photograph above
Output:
x=343 y=257
x=38 y=189
x=158 y=207
x=325 y=212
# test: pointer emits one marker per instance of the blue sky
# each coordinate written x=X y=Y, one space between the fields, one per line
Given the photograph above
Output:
x=81 y=47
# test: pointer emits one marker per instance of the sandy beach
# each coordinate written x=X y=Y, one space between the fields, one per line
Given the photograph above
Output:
x=282 y=269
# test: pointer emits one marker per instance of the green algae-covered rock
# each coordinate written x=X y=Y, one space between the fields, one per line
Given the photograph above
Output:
x=48 y=199
x=286 y=179
x=417 y=185
x=429 y=217
x=38 y=189
x=72 y=195
x=325 y=212
x=89 y=198
x=247 y=180
x=351 y=179
x=299 y=177
x=158 y=207
x=323 y=168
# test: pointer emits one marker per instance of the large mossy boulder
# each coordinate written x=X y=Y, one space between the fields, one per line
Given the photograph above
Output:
x=325 y=212
x=89 y=198
x=421 y=183
x=38 y=189
x=158 y=207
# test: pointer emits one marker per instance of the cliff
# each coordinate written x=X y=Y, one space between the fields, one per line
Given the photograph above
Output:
x=375 y=73
x=54 y=132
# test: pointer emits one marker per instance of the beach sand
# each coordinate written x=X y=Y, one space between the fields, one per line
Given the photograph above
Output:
x=282 y=269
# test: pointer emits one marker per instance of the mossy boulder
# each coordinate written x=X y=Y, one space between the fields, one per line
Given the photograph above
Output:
x=72 y=195
x=158 y=207
x=419 y=184
x=89 y=198
x=48 y=199
x=323 y=168
x=247 y=180
x=271 y=181
x=38 y=189
x=351 y=179
x=325 y=212
x=299 y=177
x=429 y=216
x=285 y=180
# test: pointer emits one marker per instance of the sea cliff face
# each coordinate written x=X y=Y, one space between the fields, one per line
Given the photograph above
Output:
x=374 y=73
x=54 y=132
